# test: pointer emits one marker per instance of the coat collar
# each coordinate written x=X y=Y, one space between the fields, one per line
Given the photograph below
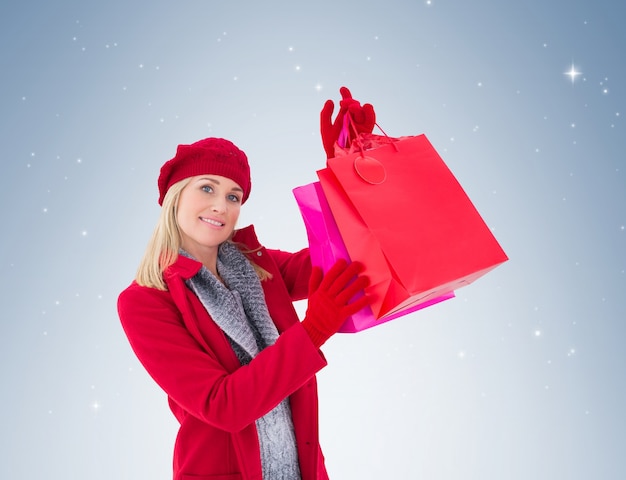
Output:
x=187 y=267
x=247 y=236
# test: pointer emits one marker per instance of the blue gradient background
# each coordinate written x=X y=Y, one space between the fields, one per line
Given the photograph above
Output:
x=521 y=376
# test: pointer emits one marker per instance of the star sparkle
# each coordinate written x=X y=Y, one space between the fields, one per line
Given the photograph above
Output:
x=572 y=73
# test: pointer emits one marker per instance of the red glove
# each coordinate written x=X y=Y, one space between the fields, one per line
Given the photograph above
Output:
x=328 y=299
x=363 y=119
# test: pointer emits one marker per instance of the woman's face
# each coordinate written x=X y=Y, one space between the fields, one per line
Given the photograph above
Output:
x=208 y=209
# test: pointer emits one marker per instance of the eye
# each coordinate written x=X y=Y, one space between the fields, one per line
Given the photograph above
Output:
x=207 y=188
x=234 y=198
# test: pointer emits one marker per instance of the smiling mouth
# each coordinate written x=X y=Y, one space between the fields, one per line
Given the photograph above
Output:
x=212 y=222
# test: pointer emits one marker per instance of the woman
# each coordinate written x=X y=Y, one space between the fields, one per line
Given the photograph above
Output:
x=210 y=316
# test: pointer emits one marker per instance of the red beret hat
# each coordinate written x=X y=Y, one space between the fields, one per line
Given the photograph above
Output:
x=215 y=156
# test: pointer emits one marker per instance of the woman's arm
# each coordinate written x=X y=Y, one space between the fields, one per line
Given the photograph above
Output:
x=295 y=268
x=196 y=378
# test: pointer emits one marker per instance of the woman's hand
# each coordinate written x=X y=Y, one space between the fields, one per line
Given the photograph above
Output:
x=330 y=298
x=363 y=119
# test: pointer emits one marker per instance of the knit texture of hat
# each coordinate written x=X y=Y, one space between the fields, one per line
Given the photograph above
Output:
x=211 y=156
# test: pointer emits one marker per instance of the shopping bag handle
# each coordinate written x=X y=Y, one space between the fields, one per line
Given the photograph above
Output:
x=366 y=167
x=349 y=123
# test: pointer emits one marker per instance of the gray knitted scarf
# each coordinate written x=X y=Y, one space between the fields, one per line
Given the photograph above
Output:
x=238 y=307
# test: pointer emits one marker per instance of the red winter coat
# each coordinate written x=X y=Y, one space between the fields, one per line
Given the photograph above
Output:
x=214 y=398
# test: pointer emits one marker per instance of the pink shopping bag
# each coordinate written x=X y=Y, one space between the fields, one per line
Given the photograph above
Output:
x=326 y=247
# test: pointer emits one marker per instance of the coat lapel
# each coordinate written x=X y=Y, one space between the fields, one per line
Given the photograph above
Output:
x=195 y=317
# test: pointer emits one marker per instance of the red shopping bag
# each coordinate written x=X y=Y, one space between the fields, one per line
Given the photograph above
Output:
x=401 y=211
x=326 y=247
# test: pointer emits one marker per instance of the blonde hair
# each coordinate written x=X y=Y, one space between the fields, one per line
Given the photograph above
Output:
x=166 y=241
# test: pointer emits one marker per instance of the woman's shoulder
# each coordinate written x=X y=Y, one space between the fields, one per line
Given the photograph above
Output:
x=136 y=289
x=142 y=308
x=136 y=292
x=140 y=297
x=140 y=294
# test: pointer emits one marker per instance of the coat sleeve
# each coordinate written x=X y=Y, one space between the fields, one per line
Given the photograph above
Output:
x=193 y=375
x=295 y=269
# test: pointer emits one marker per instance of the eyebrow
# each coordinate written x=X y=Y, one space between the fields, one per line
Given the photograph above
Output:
x=217 y=182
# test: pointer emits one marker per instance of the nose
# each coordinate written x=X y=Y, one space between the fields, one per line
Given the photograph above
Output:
x=218 y=205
